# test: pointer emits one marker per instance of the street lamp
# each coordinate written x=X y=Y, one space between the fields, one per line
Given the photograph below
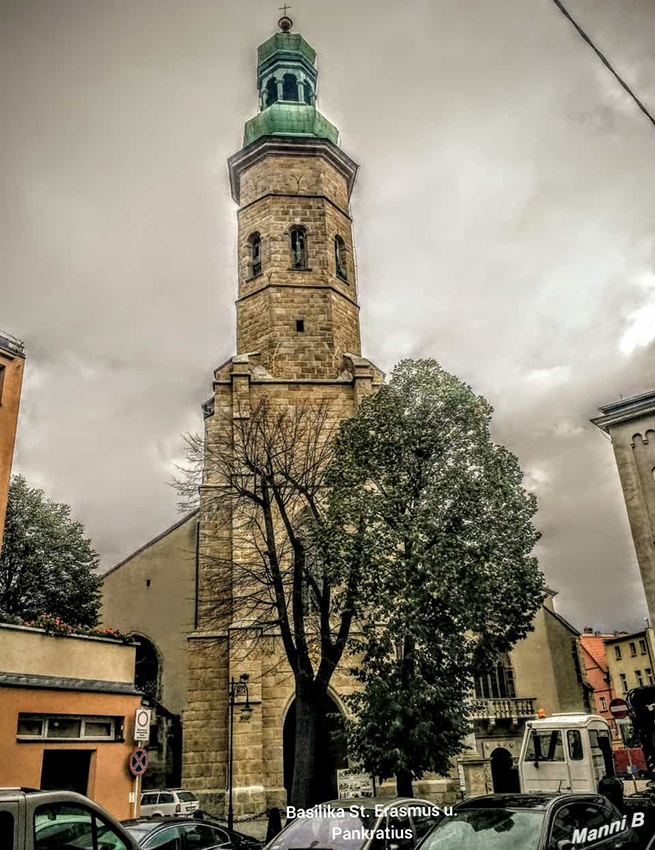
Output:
x=238 y=688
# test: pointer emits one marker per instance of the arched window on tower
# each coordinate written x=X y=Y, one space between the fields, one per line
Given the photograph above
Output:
x=307 y=92
x=289 y=87
x=255 y=251
x=340 y=257
x=271 y=91
x=298 y=248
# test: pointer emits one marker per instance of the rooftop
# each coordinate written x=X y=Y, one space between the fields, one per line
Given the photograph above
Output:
x=11 y=343
x=625 y=410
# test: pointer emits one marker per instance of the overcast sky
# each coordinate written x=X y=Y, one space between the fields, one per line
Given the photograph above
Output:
x=504 y=219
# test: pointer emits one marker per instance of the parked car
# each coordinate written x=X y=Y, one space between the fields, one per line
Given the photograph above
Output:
x=172 y=833
x=356 y=831
x=57 y=820
x=533 y=822
x=169 y=801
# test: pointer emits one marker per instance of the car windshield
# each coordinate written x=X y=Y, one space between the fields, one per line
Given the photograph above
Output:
x=338 y=833
x=486 y=829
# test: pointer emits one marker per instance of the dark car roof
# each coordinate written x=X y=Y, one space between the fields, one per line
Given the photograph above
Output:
x=371 y=802
x=155 y=823
x=541 y=801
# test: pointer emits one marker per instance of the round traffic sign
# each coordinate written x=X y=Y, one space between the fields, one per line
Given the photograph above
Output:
x=138 y=761
x=619 y=708
x=143 y=717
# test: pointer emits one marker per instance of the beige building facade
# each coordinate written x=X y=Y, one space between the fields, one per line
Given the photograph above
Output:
x=152 y=596
x=630 y=661
x=12 y=362
x=630 y=424
x=543 y=672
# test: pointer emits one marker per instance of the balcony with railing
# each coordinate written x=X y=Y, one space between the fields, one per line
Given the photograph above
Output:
x=504 y=708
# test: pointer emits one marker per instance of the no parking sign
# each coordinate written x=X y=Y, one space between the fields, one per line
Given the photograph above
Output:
x=138 y=761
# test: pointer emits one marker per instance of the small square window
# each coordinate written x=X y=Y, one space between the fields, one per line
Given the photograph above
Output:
x=300 y=325
x=64 y=727
x=101 y=727
x=30 y=726
x=147 y=582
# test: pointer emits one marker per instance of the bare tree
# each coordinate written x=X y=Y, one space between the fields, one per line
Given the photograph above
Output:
x=284 y=573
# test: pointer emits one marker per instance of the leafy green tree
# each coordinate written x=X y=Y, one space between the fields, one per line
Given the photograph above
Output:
x=47 y=565
x=446 y=529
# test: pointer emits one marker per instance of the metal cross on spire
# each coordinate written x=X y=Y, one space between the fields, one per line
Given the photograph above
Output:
x=285 y=23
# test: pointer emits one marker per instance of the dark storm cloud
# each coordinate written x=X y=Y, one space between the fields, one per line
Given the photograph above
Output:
x=504 y=221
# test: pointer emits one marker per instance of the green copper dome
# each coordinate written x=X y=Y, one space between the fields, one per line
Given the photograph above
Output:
x=286 y=81
x=290 y=119
x=286 y=42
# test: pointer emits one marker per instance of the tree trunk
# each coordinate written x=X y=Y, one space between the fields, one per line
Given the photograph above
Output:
x=404 y=783
x=308 y=706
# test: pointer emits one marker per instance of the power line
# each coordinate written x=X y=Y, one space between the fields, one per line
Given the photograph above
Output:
x=605 y=61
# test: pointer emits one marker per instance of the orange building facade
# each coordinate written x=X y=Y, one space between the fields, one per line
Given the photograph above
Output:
x=12 y=361
x=67 y=709
x=595 y=661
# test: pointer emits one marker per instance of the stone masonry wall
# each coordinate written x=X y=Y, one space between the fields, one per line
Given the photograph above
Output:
x=277 y=193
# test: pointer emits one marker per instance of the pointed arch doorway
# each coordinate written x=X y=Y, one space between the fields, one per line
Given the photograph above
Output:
x=331 y=752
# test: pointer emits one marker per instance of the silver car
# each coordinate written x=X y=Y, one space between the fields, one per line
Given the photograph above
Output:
x=170 y=801
x=362 y=823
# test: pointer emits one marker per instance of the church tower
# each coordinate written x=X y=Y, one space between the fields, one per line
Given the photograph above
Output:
x=298 y=340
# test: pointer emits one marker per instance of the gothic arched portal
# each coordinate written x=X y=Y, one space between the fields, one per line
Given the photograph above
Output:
x=330 y=752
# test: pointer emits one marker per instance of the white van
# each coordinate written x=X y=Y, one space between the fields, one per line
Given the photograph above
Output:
x=565 y=753
x=176 y=802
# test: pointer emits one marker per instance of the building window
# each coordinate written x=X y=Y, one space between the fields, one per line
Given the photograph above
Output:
x=603 y=704
x=67 y=727
x=642 y=647
x=300 y=325
x=640 y=681
x=340 y=257
x=624 y=683
x=298 y=248
x=617 y=653
x=146 y=667
x=574 y=740
x=308 y=92
x=289 y=87
x=633 y=649
x=649 y=674
x=497 y=684
x=255 y=254
x=271 y=92
x=3 y=371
